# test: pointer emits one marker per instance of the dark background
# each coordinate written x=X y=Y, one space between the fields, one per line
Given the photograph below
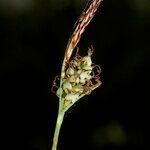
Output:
x=33 y=37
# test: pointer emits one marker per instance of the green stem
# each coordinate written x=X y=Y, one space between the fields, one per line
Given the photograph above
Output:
x=57 y=129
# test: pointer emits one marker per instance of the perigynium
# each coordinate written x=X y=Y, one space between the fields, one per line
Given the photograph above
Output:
x=79 y=75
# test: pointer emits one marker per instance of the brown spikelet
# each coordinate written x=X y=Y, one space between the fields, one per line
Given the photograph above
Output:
x=80 y=25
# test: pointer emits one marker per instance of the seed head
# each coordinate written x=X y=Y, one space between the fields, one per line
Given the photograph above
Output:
x=81 y=77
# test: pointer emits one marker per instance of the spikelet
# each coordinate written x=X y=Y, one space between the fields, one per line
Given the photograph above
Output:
x=79 y=27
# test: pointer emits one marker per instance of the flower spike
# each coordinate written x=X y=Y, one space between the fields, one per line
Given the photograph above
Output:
x=79 y=75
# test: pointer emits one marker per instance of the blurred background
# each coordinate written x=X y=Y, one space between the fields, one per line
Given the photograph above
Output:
x=33 y=37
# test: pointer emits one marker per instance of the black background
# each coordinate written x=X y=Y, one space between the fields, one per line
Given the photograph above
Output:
x=33 y=37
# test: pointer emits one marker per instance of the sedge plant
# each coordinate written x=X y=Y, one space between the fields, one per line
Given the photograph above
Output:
x=79 y=75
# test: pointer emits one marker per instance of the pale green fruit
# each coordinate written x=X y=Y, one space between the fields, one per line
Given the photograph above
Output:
x=59 y=92
x=77 y=89
x=67 y=86
x=70 y=71
x=72 y=97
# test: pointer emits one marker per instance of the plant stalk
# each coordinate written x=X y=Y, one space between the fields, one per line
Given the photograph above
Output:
x=57 y=129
